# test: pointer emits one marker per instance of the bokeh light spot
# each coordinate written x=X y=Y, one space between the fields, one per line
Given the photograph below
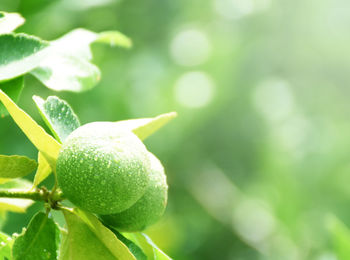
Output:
x=253 y=221
x=86 y=4
x=234 y=9
x=194 y=89
x=190 y=47
x=273 y=98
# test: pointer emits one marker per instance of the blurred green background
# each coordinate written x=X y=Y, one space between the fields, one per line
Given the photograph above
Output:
x=258 y=160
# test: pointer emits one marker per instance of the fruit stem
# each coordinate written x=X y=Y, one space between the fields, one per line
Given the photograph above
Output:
x=23 y=194
x=37 y=195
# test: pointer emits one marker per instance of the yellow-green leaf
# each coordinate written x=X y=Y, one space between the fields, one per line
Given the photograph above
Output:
x=43 y=170
x=44 y=142
x=64 y=246
x=144 y=127
x=4 y=180
x=13 y=88
x=147 y=245
x=88 y=239
x=340 y=235
x=134 y=249
x=6 y=243
x=16 y=166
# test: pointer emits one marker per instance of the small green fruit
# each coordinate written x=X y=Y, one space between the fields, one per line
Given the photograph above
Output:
x=149 y=208
x=102 y=168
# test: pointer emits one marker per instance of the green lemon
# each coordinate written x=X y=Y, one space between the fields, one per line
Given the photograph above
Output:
x=149 y=208
x=102 y=168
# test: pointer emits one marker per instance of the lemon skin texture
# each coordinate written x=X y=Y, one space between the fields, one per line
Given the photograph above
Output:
x=149 y=208
x=102 y=168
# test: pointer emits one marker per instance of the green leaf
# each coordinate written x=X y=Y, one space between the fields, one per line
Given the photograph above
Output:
x=19 y=54
x=43 y=170
x=45 y=143
x=147 y=246
x=6 y=243
x=67 y=72
x=88 y=239
x=15 y=205
x=78 y=41
x=144 y=127
x=16 y=166
x=341 y=238
x=64 y=246
x=13 y=89
x=58 y=116
x=114 y=38
x=68 y=67
x=10 y=21
x=39 y=241
x=134 y=249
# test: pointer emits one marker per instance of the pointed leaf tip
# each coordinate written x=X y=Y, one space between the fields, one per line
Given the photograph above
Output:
x=144 y=127
x=114 y=38
x=58 y=116
x=43 y=170
x=10 y=21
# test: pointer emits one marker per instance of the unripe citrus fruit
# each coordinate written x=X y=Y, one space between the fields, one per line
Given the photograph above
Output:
x=149 y=208
x=102 y=168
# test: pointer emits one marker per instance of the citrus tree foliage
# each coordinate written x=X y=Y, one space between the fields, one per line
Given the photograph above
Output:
x=62 y=64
